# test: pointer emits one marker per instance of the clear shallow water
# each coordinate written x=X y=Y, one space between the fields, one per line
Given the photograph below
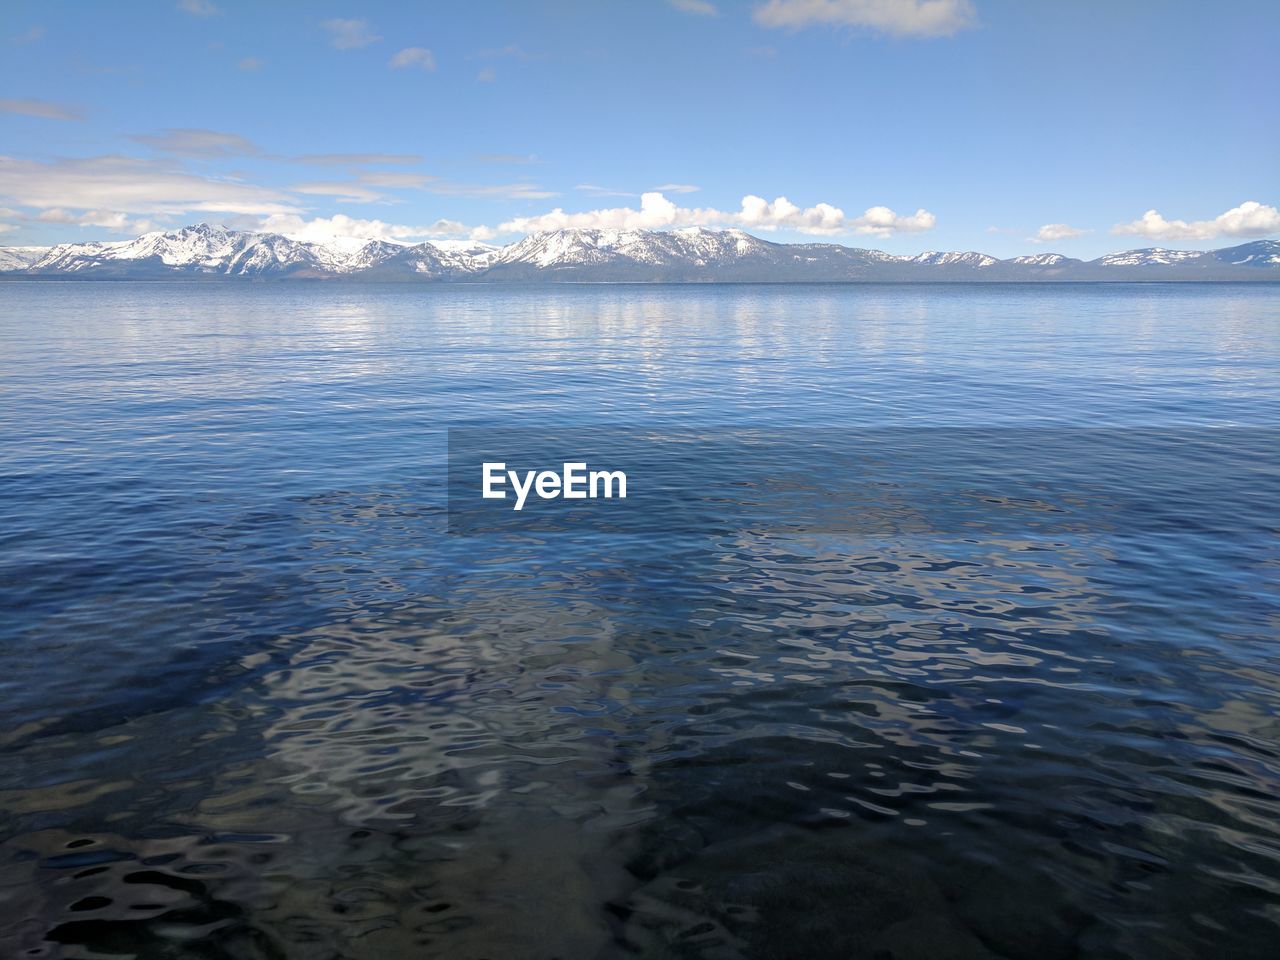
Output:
x=257 y=702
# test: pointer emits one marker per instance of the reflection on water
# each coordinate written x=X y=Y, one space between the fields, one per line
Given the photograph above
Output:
x=258 y=703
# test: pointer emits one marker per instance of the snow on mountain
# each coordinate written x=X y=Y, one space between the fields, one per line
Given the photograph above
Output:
x=564 y=248
x=686 y=255
x=1041 y=260
x=971 y=259
x=1259 y=253
x=1148 y=257
x=472 y=248
x=19 y=258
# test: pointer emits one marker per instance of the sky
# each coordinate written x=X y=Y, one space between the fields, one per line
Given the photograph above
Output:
x=1005 y=126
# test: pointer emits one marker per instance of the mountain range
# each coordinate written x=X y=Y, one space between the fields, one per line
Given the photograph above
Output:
x=681 y=256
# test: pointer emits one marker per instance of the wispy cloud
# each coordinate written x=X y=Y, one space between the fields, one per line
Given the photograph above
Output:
x=756 y=213
x=512 y=51
x=487 y=75
x=507 y=158
x=114 y=221
x=196 y=142
x=395 y=178
x=495 y=191
x=1250 y=219
x=199 y=8
x=41 y=108
x=359 y=159
x=250 y=64
x=676 y=188
x=349 y=34
x=596 y=190
x=700 y=8
x=1053 y=232
x=413 y=57
x=28 y=36
x=130 y=185
x=903 y=18
x=367 y=186
x=344 y=191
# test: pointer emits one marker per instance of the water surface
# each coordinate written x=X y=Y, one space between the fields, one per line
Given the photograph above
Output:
x=259 y=702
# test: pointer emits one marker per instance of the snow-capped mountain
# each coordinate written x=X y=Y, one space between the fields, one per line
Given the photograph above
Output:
x=933 y=258
x=691 y=255
x=19 y=258
x=1148 y=257
x=1043 y=260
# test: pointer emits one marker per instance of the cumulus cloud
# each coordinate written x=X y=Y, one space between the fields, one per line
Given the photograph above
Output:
x=413 y=57
x=195 y=142
x=700 y=8
x=129 y=185
x=349 y=34
x=756 y=213
x=40 y=108
x=903 y=18
x=323 y=229
x=1052 y=232
x=1250 y=219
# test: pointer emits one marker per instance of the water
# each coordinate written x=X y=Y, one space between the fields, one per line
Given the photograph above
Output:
x=258 y=702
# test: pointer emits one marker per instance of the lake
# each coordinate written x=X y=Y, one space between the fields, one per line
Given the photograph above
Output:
x=1005 y=684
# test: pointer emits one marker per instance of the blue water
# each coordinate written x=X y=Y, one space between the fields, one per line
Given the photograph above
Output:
x=258 y=701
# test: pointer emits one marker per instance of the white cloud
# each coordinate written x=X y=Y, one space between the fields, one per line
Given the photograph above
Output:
x=198 y=8
x=249 y=64
x=395 y=178
x=904 y=18
x=359 y=159
x=1052 y=232
x=350 y=34
x=106 y=219
x=40 y=108
x=657 y=212
x=8 y=227
x=343 y=191
x=129 y=185
x=677 y=188
x=596 y=190
x=500 y=191
x=195 y=142
x=1250 y=219
x=358 y=190
x=413 y=57
x=487 y=75
x=322 y=229
x=699 y=8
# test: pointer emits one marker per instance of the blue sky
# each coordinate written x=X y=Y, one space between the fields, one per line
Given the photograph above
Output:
x=1001 y=125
